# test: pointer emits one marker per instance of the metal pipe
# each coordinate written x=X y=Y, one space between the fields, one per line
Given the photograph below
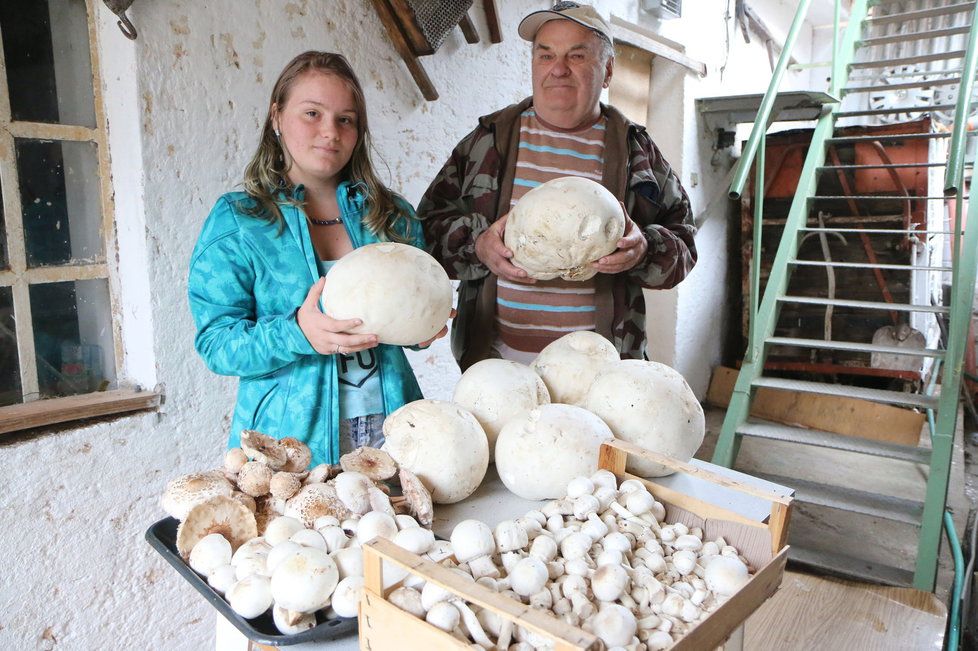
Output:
x=954 y=623
x=755 y=280
x=836 y=72
x=954 y=174
x=759 y=129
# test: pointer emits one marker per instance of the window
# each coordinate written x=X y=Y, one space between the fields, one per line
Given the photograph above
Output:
x=57 y=334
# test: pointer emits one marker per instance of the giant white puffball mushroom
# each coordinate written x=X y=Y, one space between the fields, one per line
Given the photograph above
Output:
x=496 y=390
x=399 y=292
x=560 y=227
x=569 y=365
x=441 y=443
x=539 y=452
x=651 y=405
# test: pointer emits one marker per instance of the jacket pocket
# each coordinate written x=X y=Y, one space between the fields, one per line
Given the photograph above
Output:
x=261 y=407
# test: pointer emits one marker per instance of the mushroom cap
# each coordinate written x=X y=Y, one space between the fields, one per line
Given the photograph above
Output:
x=261 y=447
x=254 y=478
x=223 y=515
x=375 y=464
x=298 y=455
x=418 y=497
x=353 y=490
x=304 y=581
x=314 y=501
x=284 y=485
x=234 y=459
x=569 y=365
x=187 y=491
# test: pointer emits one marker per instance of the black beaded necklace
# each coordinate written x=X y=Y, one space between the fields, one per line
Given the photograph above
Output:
x=326 y=222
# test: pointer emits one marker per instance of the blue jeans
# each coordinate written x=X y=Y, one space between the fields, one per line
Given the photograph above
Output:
x=362 y=431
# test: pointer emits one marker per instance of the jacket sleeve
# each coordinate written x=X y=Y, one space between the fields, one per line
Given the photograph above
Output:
x=230 y=338
x=460 y=204
x=658 y=203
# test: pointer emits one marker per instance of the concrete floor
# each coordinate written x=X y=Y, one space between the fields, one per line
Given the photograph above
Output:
x=876 y=539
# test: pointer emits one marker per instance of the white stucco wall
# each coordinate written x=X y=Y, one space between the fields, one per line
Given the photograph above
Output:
x=184 y=103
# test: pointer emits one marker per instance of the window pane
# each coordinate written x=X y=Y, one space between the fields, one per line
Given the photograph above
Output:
x=9 y=369
x=73 y=337
x=49 y=67
x=59 y=192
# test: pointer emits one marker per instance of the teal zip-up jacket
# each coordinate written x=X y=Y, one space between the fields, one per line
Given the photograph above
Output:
x=247 y=281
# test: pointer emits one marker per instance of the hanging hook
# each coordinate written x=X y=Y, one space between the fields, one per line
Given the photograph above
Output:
x=126 y=27
x=119 y=7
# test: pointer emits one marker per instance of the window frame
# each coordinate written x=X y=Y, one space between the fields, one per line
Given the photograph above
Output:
x=33 y=411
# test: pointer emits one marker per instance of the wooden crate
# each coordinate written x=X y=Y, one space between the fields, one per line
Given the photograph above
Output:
x=385 y=626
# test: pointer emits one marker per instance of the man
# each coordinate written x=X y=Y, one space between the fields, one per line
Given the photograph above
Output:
x=562 y=130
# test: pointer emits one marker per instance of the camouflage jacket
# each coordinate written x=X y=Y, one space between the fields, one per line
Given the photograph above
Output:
x=474 y=187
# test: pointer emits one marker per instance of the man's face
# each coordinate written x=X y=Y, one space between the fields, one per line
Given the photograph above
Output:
x=569 y=72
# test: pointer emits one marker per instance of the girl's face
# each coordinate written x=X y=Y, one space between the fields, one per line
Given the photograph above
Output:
x=318 y=126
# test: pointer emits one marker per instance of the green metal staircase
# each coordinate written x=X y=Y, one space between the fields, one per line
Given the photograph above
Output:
x=855 y=51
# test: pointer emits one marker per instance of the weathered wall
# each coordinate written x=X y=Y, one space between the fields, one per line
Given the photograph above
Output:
x=184 y=105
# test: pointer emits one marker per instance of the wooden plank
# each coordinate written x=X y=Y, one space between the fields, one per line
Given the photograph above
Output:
x=848 y=416
x=408 y=24
x=811 y=612
x=711 y=632
x=385 y=626
x=468 y=29
x=492 y=19
x=678 y=466
x=625 y=32
x=564 y=635
x=630 y=88
x=90 y=405
x=392 y=25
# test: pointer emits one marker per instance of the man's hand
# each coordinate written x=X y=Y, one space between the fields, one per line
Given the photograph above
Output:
x=327 y=335
x=491 y=250
x=632 y=248
x=441 y=333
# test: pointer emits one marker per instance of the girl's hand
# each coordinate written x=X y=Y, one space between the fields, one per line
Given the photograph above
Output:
x=327 y=335
x=441 y=333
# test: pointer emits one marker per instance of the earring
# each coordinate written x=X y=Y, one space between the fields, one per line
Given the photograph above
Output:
x=277 y=134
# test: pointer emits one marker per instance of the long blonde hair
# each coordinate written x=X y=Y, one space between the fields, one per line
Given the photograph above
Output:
x=266 y=175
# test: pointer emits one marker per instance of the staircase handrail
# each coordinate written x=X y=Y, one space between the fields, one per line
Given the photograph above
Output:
x=759 y=130
x=954 y=173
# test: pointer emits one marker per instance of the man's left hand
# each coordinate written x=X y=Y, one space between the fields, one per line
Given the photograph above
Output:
x=632 y=248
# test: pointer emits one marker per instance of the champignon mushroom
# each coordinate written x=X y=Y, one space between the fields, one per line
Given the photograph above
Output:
x=375 y=464
x=304 y=581
x=251 y=596
x=234 y=459
x=187 y=491
x=281 y=617
x=211 y=552
x=418 y=497
x=314 y=501
x=223 y=515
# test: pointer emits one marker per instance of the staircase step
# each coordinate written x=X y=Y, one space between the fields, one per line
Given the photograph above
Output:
x=847 y=391
x=872 y=231
x=869 y=265
x=880 y=197
x=875 y=505
x=930 y=83
x=898 y=109
x=776 y=432
x=866 y=305
x=892 y=136
x=854 y=346
x=881 y=166
x=919 y=14
x=849 y=567
x=913 y=36
x=902 y=61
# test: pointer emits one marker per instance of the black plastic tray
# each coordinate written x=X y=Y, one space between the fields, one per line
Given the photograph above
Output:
x=162 y=536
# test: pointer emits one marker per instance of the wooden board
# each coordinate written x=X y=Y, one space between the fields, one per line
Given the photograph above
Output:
x=630 y=86
x=814 y=613
x=848 y=416
x=41 y=413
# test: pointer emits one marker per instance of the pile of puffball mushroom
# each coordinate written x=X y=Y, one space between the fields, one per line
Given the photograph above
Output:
x=268 y=534
x=600 y=558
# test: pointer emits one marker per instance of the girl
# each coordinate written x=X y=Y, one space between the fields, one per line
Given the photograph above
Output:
x=311 y=195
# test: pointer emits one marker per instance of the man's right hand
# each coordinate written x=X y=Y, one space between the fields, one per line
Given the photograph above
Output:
x=329 y=336
x=491 y=250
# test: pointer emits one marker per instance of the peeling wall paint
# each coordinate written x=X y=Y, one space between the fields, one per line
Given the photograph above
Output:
x=185 y=103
